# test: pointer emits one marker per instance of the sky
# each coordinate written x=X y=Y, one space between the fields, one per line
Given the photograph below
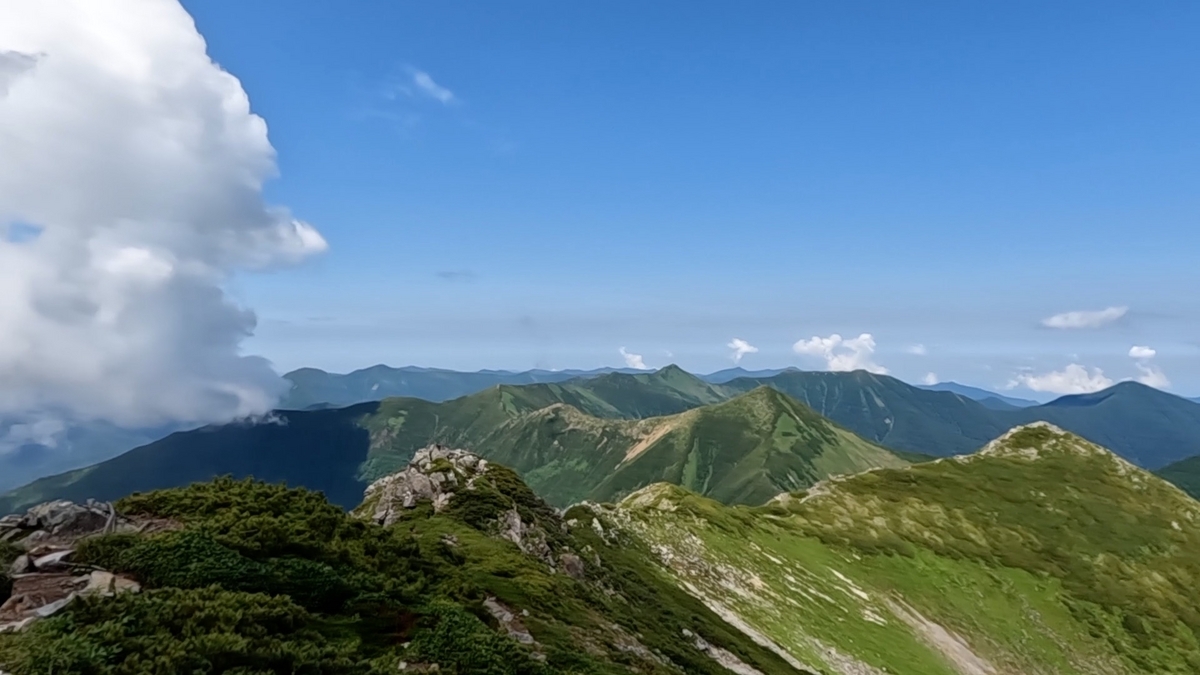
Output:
x=1004 y=196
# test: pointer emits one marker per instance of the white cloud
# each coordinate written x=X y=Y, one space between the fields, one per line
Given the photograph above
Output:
x=428 y=87
x=917 y=350
x=1074 y=379
x=140 y=160
x=1139 y=352
x=1085 y=319
x=634 y=360
x=842 y=354
x=740 y=348
x=931 y=379
x=1152 y=376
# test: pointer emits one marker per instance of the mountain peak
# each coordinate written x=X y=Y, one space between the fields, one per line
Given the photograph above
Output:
x=1037 y=439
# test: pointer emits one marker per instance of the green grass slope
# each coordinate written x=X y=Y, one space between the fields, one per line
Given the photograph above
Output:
x=1042 y=554
x=262 y=579
x=744 y=451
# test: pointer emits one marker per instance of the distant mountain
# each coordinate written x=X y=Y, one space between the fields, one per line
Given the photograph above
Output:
x=319 y=449
x=1146 y=426
x=723 y=376
x=989 y=398
x=743 y=450
x=314 y=387
x=565 y=457
x=69 y=447
x=888 y=411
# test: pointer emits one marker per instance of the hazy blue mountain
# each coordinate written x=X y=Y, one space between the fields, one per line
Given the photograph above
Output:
x=76 y=445
x=723 y=376
x=312 y=387
x=989 y=398
x=1146 y=426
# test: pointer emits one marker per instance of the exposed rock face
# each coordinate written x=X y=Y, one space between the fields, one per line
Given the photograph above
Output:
x=727 y=659
x=509 y=620
x=434 y=475
x=45 y=579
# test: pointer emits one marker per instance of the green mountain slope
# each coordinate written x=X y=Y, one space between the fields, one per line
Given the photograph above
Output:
x=889 y=412
x=256 y=578
x=744 y=450
x=1042 y=554
x=1185 y=474
x=1144 y=425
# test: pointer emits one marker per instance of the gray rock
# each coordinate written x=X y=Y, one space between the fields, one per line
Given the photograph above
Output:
x=419 y=483
x=509 y=621
x=54 y=562
x=22 y=565
x=572 y=565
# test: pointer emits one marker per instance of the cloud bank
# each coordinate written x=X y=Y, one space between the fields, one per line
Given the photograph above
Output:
x=1074 y=379
x=137 y=163
x=633 y=360
x=1085 y=319
x=842 y=354
x=740 y=348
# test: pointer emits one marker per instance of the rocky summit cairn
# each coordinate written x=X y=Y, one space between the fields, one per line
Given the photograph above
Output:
x=45 y=578
x=434 y=475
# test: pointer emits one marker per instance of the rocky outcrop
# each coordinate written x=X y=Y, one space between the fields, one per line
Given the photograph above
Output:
x=45 y=577
x=433 y=476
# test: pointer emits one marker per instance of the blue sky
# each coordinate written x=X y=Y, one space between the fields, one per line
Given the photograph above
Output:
x=539 y=184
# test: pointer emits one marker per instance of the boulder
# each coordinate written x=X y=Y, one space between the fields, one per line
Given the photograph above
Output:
x=434 y=475
x=39 y=595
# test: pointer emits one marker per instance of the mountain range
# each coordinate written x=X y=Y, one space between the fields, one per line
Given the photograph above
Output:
x=1041 y=553
x=602 y=436
x=32 y=455
x=989 y=399
x=316 y=387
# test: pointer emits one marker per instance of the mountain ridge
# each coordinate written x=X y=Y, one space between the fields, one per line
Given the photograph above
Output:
x=987 y=552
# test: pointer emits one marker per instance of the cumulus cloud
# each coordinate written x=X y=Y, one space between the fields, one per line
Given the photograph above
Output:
x=1086 y=318
x=1139 y=352
x=740 y=348
x=931 y=379
x=633 y=360
x=1150 y=374
x=917 y=350
x=425 y=84
x=139 y=163
x=841 y=354
x=1074 y=379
